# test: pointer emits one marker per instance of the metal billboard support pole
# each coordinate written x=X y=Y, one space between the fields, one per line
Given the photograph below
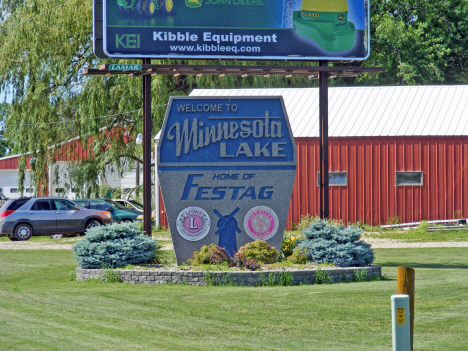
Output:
x=147 y=131
x=323 y=137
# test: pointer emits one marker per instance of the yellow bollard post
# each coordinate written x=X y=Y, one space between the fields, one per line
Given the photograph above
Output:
x=405 y=286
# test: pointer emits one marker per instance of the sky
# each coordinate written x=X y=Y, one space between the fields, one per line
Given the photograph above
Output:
x=2 y=97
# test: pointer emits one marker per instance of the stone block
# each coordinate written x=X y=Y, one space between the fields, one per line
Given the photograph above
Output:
x=247 y=278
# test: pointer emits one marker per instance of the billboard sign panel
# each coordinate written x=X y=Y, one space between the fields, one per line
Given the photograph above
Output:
x=236 y=29
x=226 y=168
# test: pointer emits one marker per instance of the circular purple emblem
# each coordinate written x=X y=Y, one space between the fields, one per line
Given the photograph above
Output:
x=261 y=223
x=193 y=223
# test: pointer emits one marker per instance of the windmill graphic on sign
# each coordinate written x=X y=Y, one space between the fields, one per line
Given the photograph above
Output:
x=227 y=228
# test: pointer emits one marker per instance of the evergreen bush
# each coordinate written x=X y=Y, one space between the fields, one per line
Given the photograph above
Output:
x=114 y=245
x=341 y=246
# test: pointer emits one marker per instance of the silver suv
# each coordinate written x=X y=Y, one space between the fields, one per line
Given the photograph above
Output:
x=41 y=216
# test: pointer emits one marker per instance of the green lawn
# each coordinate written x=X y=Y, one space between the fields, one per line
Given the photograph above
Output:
x=420 y=235
x=42 y=308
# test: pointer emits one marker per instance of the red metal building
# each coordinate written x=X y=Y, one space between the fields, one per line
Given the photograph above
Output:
x=371 y=194
x=395 y=153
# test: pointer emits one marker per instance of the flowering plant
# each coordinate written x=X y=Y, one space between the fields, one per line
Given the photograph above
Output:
x=289 y=244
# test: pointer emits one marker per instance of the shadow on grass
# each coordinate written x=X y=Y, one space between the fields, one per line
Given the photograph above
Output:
x=429 y=265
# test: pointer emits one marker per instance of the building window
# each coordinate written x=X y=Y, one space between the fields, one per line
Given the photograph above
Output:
x=409 y=178
x=13 y=190
x=29 y=190
x=335 y=179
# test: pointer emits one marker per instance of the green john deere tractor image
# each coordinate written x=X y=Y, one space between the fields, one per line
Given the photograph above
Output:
x=146 y=7
x=325 y=22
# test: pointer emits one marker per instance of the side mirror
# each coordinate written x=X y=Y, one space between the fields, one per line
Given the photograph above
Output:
x=109 y=209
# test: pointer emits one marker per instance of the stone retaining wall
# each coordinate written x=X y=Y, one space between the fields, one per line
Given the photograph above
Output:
x=247 y=278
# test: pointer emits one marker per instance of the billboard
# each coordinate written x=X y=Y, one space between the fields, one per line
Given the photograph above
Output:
x=226 y=167
x=234 y=29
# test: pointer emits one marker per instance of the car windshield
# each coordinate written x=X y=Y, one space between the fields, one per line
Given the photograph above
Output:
x=115 y=204
x=2 y=197
x=136 y=204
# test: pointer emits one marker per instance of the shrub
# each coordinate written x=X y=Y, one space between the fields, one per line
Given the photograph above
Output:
x=114 y=245
x=282 y=278
x=323 y=277
x=360 y=276
x=215 y=255
x=240 y=262
x=299 y=256
x=159 y=256
x=289 y=244
x=210 y=255
x=304 y=222
x=259 y=251
x=337 y=245
x=110 y=276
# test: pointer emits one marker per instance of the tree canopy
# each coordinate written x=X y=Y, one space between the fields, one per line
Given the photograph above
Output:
x=418 y=42
x=44 y=45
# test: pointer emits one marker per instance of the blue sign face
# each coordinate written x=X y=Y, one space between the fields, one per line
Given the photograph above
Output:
x=227 y=133
x=227 y=168
x=235 y=29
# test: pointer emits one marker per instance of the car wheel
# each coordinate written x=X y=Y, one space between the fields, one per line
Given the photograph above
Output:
x=23 y=232
x=92 y=223
x=126 y=221
x=56 y=236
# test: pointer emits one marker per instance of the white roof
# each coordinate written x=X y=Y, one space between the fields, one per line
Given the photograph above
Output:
x=371 y=111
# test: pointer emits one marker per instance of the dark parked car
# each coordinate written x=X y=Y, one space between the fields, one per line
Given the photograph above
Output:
x=130 y=204
x=40 y=216
x=133 y=205
x=119 y=213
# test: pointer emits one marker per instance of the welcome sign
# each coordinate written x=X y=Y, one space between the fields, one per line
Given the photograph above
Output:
x=226 y=168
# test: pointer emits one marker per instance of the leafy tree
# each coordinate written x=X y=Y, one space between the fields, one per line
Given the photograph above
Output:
x=418 y=42
x=44 y=45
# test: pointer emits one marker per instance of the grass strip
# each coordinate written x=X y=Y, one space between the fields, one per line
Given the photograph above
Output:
x=43 y=308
